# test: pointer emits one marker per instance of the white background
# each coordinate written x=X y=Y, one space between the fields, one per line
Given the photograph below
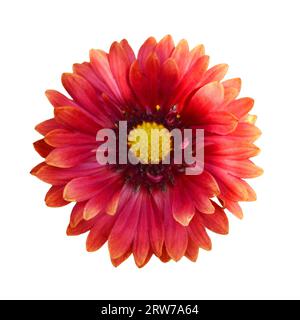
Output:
x=259 y=40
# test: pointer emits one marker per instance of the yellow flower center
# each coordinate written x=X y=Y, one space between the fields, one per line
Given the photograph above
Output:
x=150 y=142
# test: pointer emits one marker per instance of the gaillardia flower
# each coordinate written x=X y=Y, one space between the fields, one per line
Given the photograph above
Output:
x=149 y=207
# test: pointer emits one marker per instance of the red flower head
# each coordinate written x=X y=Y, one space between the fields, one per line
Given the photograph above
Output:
x=148 y=207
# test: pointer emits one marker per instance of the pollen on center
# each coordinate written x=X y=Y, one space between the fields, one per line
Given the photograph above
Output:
x=150 y=142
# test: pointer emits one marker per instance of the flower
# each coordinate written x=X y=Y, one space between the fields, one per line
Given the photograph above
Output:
x=149 y=208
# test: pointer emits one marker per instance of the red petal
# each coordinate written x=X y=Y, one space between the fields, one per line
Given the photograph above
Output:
x=83 y=188
x=82 y=227
x=58 y=176
x=196 y=53
x=141 y=243
x=63 y=137
x=204 y=101
x=216 y=222
x=240 y=168
x=216 y=73
x=246 y=132
x=47 y=126
x=164 y=257
x=164 y=48
x=70 y=156
x=138 y=83
x=233 y=207
x=151 y=70
x=206 y=182
x=169 y=76
x=232 y=150
x=54 y=197
x=82 y=92
x=77 y=214
x=42 y=148
x=77 y=119
x=57 y=99
x=116 y=262
x=147 y=47
x=99 y=232
x=191 y=79
x=233 y=83
x=232 y=89
x=240 y=107
x=100 y=64
x=156 y=227
x=198 y=233
x=182 y=206
x=231 y=187
x=176 y=238
x=107 y=197
x=199 y=197
x=86 y=71
x=192 y=250
x=119 y=63
x=128 y=50
x=217 y=122
x=122 y=234
x=181 y=56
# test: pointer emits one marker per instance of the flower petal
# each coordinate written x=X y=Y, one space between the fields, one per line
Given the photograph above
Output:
x=164 y=48
x=47 y=126
x=70 y=156
x=182 y=206
x=196 y=53
x=119 y=64
x=100 y=64
x=176 y=237
x=57 y=99
x=233 y=207
x=240 y=107
x=82 y=227
x=42 y=148
x=207 y=99
x=128 y=50
x=244 y=168
x=232 y=150
x=191 y=79
x=99 y=233
x=192 y=250
x=83 y=188
x=156 y=227
x=198 y=233
x=58 y=176
x=82 y=92
x=63 y=137
x=54 y=197
x=232 y=88
x=216 y=73
x=181 y=56
x=107 y=198
x=77 y=119
x=169 y=76
x=116 y=262
x=141 y=242
x=221 y=122
x=246 y=132
x=77 y=214
x=123 y=232
x=216 y=222
x=145 y=50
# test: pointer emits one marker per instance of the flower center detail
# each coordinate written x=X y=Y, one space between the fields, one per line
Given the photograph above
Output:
x=150 y=142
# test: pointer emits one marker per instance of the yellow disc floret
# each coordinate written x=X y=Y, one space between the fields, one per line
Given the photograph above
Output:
x=150 y=142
